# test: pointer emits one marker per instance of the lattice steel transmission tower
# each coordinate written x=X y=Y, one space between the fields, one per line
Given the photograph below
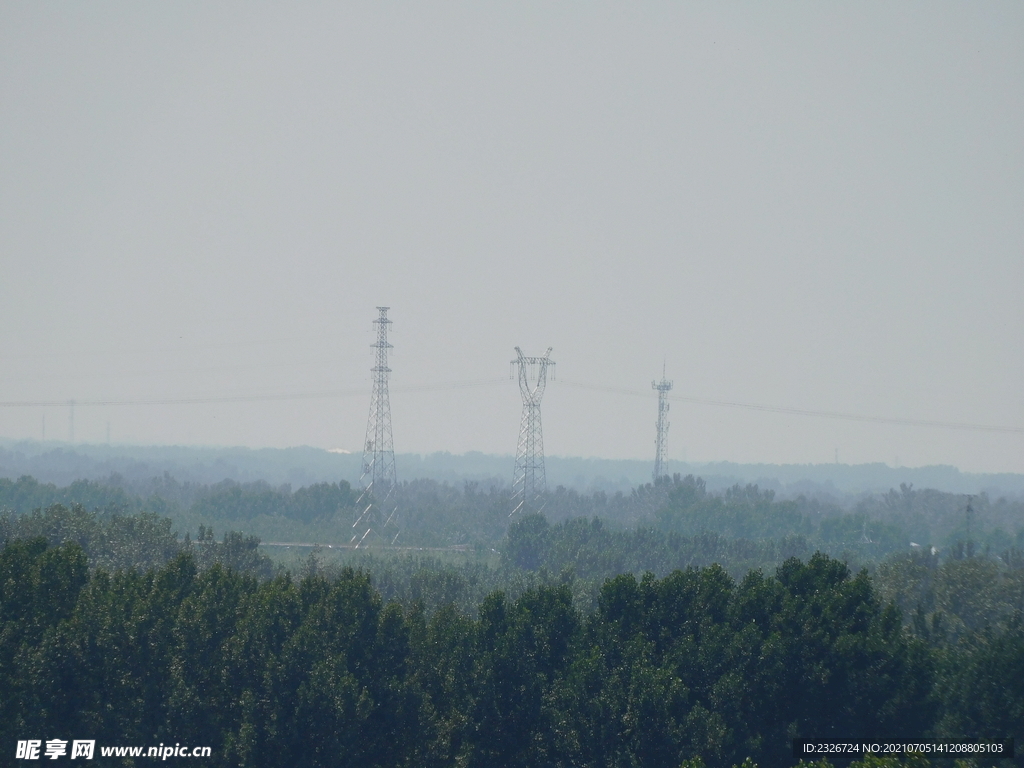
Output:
x=663 y=388
x=528 y=481
x=379 y=481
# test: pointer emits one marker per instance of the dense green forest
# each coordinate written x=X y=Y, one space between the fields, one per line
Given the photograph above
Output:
x=322 y=671
x=680 y=625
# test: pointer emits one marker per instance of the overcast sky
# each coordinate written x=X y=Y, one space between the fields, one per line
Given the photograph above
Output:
x=811 y=206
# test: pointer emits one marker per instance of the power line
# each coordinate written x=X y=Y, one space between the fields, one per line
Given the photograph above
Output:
x=188 y=400
x=150 y=350
x=805 y=411
x=198 y=400
x=362 y=392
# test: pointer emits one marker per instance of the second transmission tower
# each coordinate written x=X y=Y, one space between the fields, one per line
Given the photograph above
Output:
x=379 y=480
x=659 y=454
x=528 y=481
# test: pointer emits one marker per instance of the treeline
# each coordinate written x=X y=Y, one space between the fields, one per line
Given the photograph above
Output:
x=114 y=541
x=592 y=551
x=956 y=598
x=231 y=501
x=876 y=525
x=746 y=528
x=542 y=660
x=321 y=671
x=433 y=514
x=226 y=500
x=27 y=494
x=661 y=527
x=943 y=596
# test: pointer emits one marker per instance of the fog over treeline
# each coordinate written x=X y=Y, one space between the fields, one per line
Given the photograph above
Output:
x=137 y=466
x=653 y=526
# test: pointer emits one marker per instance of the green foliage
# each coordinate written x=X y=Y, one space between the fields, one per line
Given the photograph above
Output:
x=694 y=668
x=587 y=645
x=949 y=600
x=756 y=664
x=39 y=590
x=26 y=493
x=983 y=684
x=140 y=541
x=931 y=517
x=593 y=552
x=437 y=514
x=232 y=501
x=742 y=512
x=235 y=551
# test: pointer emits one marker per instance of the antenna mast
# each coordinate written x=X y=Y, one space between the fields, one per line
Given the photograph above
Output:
x=659 y=455
x=379 y=480
x=528 y=480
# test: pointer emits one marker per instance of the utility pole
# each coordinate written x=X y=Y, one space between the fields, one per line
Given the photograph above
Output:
x=379 y=480
x=71 y=421
x=663 y=388
x=528 y=480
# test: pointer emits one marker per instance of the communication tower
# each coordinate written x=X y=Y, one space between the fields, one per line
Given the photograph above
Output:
x=663 y=388
x=379 y=481
x=528 y=481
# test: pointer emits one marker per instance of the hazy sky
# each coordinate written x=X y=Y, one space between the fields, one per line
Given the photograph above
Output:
x=802 y=205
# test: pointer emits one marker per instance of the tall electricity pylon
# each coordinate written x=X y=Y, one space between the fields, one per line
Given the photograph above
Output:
x=378 y=480
x=528 y=481
x=659 y=455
